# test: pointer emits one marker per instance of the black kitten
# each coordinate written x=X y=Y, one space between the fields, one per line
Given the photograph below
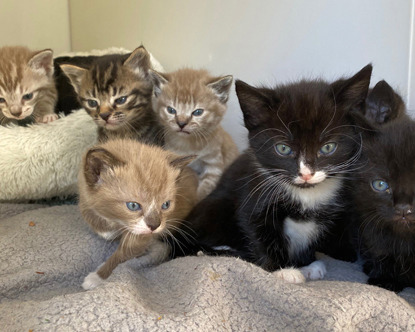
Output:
x=274 y=204
x=384 y=198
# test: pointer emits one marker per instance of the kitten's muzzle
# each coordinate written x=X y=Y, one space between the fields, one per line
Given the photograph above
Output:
x=105 y=116
x=404 y=212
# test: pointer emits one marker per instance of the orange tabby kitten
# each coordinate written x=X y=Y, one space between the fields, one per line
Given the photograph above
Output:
x=190 y=105
x=27 y=86
x=116 y=92
x=137 y=193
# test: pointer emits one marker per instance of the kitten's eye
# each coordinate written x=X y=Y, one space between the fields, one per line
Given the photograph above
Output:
x=379 y=185
x=133 y=206
x=283 y=149
x=27 y=96
x=165 y=205
x=171 y=110
x=328 y=149
x=121 y=100
x=92 y=103
x=2 y=100
x=198 y=112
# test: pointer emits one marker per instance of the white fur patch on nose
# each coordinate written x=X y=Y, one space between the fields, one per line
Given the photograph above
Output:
x=306 y=175
x=141 y=227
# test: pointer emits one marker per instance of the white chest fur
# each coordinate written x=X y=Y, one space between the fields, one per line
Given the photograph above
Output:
x=300 y=234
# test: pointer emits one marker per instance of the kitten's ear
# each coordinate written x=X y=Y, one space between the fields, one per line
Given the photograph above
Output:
x=139 y=62
x=75 y=75
x=42 y=62
x=159 y=80
x=221 y=87
x=383 y=104
x=352 y=92
x=254 y=104
x=181 y=162
x=98 y=161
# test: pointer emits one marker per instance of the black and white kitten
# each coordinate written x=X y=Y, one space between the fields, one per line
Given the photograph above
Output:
x=384 y=197
x=276 y=202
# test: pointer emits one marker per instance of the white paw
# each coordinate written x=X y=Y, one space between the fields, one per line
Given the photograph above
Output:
x=91 y=281
x=49 y=118
x=314 y=271
x=290 y=275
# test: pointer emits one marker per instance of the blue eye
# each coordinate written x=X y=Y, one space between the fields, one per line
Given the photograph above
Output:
x=27 y=96
x=379 y=185
x=133 y=206
x=283 y=149
x=198 y=112
x=92 y=103
x=328 y=148
x=165 y=205
x=2 y=100
x=121 y=100
x=171 y=110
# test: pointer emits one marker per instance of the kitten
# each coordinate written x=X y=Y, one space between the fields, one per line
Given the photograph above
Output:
x=276 y=202
x=27 y=88
x=384 y=196
x=116 y=92
x=190 y=105
x=137 y=193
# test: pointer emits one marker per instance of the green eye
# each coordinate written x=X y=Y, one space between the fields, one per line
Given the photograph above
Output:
x=121 y=100
x=165 y=205
x=283 y=149
x=379 y=185
x=133 y=206
x=27 y=96
x=171 y=110
x=198 y=112
x=92 y=103
x=328 y=149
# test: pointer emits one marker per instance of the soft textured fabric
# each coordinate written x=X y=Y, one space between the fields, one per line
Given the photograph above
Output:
x=47 y=251
x=42 y=160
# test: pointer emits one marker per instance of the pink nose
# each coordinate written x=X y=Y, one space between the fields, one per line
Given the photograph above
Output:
x=306 y=177
x=15 y=110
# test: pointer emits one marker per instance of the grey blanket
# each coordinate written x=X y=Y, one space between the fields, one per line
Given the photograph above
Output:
x=45 y=252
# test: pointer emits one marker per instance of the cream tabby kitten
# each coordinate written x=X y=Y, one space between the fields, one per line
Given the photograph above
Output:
x=116 y=91
x=137 y=193
x=27 y=86
x=190 y=105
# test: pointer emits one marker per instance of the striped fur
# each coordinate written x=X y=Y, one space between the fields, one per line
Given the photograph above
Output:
x=116 y=92
x=27 y=87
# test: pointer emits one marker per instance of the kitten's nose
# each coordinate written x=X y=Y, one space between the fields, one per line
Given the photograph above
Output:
x=152 y=222
x=403 y=209
x=16 y=110
x=105 y=116
x=181 y=124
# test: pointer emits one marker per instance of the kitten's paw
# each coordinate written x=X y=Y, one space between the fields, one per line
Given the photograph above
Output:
x=91 y=281
x=314 y=271
x=49 y=118
x=290 y=275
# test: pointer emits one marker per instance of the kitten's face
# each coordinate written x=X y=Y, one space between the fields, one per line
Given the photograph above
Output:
x=302 y=133
x=190 y=102
x=115 y=89
x=137 y=191
x=385 y=192
x=25 y=77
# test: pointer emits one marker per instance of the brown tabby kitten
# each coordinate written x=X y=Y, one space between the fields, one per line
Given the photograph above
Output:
x=190 y=105
x=116 y=92
x=137 y=193
x=27 y=88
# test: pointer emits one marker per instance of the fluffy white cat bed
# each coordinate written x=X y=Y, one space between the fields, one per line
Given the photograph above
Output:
x=42 y=160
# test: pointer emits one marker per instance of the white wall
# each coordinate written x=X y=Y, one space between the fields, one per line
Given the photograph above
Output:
x=37 y=24
x=258 y=41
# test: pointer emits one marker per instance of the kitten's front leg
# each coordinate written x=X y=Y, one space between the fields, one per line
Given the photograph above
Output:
x=48 y=118
x=213 y=169
x=156 y=253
